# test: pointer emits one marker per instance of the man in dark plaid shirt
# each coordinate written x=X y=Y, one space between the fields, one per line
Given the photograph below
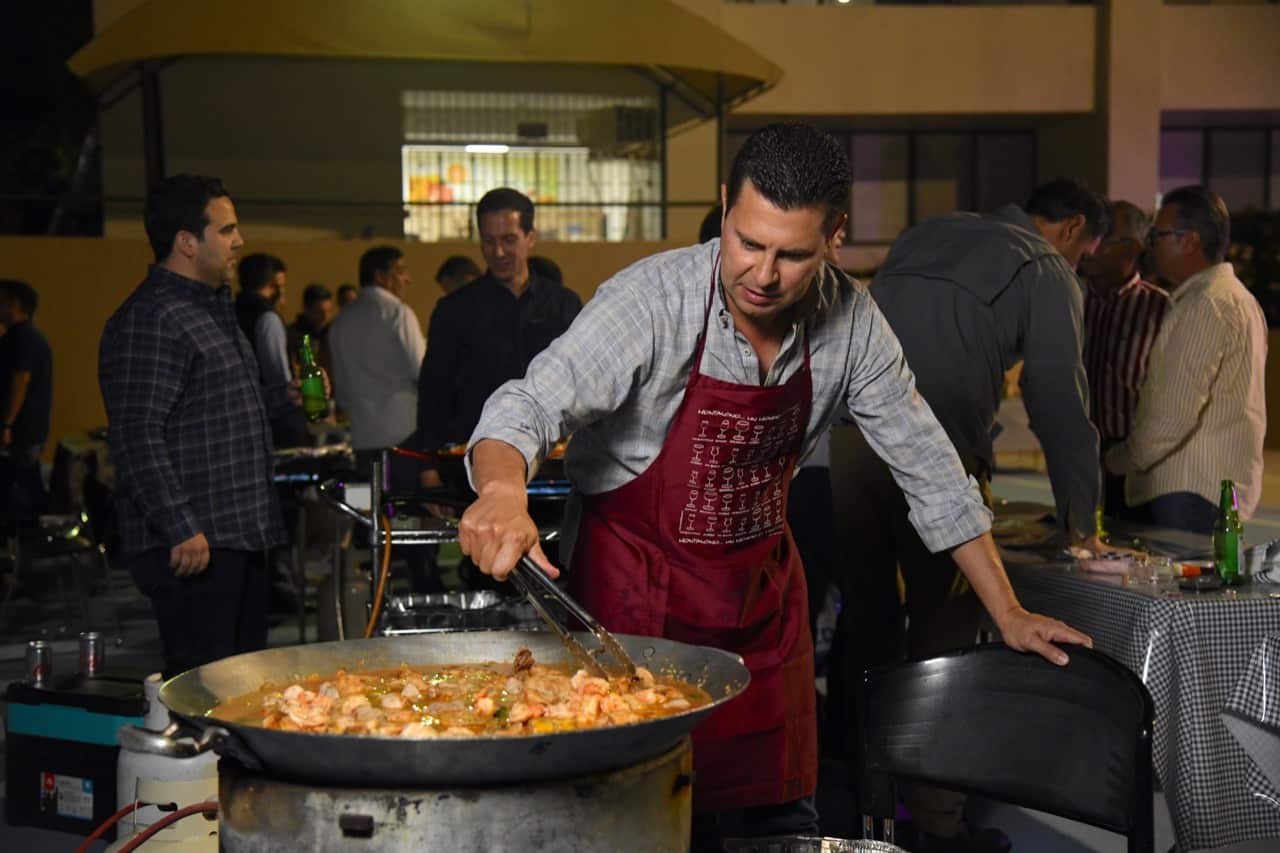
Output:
x=189 y=433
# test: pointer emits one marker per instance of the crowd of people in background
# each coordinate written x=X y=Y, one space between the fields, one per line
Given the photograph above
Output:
x=1142 y=369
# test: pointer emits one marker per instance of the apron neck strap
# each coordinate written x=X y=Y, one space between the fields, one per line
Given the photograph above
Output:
x=706 y=317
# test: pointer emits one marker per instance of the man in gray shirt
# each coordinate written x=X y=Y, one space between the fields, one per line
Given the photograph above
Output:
x=968 y=296
x=692 y=383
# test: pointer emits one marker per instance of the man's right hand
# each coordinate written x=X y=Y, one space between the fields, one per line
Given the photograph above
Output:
x=190 y=557
x=496 y=530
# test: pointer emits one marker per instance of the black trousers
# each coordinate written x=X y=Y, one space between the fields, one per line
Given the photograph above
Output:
x=206 y=617
x=877 y=538
x=811 y=514
x=22 y=495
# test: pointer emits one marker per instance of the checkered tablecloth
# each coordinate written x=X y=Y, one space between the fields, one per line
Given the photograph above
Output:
x=1255 y=699
x=1192 y=650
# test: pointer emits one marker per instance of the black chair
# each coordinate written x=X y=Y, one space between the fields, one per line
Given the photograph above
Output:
x=61 y=547
x=1072 y=741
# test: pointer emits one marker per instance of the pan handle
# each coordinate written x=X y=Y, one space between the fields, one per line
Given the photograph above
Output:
x=176 y=741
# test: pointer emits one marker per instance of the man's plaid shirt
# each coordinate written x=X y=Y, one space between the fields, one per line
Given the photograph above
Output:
x=188 y=428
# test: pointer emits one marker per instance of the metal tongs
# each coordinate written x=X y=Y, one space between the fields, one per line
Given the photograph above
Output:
x=531 y=580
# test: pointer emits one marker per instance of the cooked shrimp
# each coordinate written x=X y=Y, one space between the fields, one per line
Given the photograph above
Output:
x=588 y=711
x=467 y=701
x=589 y=684
x=522 y=711
x=366 y=712
x=458 y=731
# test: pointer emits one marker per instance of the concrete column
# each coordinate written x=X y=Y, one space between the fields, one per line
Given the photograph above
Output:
x=1130 y=88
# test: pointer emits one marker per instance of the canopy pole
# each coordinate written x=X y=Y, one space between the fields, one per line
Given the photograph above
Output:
x=662 y=158
x=152 y=124
x=719 y=134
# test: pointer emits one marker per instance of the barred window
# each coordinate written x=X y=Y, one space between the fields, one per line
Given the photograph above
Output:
x=591 y=163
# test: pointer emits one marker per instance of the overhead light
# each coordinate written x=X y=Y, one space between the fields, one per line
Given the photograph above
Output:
x=488 y=149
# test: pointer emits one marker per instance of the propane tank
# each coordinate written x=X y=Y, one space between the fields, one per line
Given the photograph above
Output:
x=161 y=779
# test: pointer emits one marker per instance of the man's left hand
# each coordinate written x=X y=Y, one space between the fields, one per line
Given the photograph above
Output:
x=1031 y=632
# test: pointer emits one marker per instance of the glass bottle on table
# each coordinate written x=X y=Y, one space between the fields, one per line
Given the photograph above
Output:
x=315 y=402
x=1228 y=537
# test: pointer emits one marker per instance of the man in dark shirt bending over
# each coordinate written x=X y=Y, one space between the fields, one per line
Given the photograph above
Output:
x=190 y=433
x=485 y=333
x=968 y=296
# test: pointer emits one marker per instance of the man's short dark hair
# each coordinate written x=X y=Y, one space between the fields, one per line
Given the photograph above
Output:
x=457 y=267
x=314 y=295
x=344 y=289
x=22 y=293
x=1203 y=211
x=546 y=269
x=1129 y=221
x=379 y=259
x=1063 y=198
x=258 y=270
x=503 y=199
x=711 y=224
x=178 y=204
x=794 y=166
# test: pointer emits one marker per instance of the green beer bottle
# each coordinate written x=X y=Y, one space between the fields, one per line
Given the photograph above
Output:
x=315 y=403
x=1228 y=536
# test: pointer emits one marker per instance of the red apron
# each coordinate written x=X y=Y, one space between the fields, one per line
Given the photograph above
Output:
x=697 y=549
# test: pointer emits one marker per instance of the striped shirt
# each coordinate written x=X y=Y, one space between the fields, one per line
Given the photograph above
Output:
x=1120 y=328
x=1202 y=412
x=615 y=379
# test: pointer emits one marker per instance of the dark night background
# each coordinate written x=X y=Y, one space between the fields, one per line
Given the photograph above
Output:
x=46 y=113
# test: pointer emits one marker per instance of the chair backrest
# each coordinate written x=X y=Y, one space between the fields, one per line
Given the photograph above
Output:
x=1073 y=741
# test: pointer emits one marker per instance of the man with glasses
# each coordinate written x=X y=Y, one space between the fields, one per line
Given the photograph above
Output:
x=1202 y=409
x=1122 y=314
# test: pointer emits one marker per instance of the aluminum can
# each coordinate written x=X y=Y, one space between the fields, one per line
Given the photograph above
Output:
x=91 y=653
x=39 y=662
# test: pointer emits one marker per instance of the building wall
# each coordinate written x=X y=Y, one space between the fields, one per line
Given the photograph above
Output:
x=81 y=281
x=1093 y=80
x=887 y=60
x=1219 y=57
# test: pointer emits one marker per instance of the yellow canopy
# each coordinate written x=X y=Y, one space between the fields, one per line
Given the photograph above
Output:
x=657 y=37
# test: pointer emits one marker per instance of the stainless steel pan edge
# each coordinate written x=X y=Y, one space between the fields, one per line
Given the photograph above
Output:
x=387 y=762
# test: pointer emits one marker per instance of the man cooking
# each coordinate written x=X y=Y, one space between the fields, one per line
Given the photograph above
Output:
x=693 y=383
